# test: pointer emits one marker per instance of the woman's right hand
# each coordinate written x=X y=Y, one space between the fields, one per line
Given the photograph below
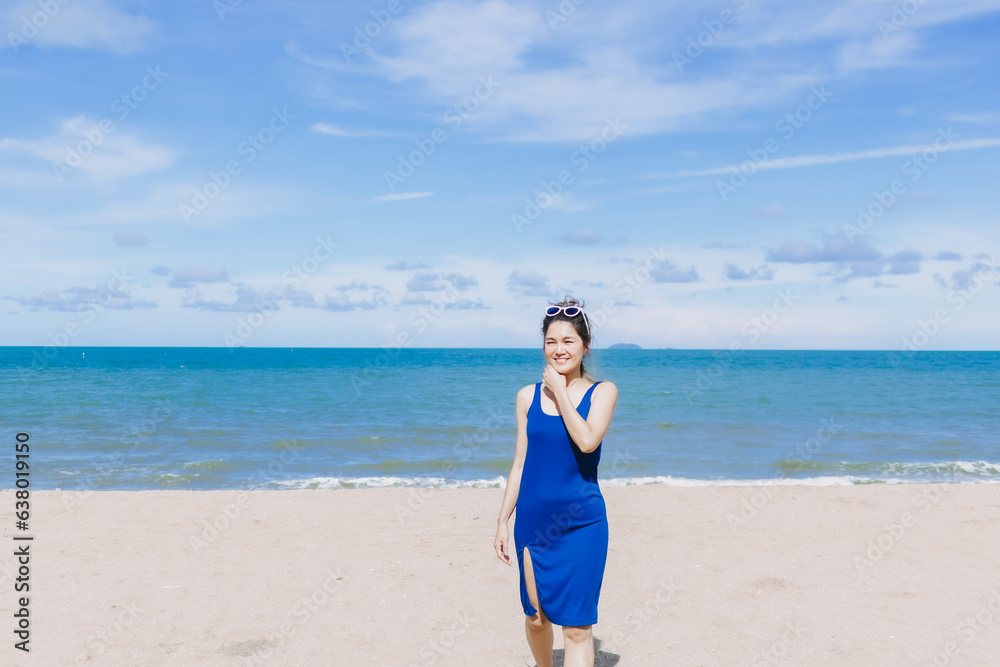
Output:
x=501 y=542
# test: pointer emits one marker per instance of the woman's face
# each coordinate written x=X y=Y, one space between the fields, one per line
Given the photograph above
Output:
x=563 y=347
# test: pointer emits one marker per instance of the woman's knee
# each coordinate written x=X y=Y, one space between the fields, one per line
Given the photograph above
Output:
x=578 y=634
x=537 y=622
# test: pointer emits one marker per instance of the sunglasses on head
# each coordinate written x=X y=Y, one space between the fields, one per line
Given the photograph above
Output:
x=571 y=311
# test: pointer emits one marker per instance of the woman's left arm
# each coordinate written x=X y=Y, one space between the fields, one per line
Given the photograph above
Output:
x=588 y=433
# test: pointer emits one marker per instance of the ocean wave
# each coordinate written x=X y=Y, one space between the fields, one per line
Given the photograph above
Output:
x=380 y=482
x=217 y=474
x=931 y=471
x=668 y=480
x=962 y=472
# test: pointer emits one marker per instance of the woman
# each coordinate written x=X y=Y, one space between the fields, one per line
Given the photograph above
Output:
x=561 y=530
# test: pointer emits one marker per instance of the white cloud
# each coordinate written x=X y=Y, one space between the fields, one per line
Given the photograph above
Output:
x=877 y=52
x=86 y=24
x=983 y=117
x=159 y=201
x=528 y=282
x=734 y=272
x=402 y=195
x=793 y=21
x=449 y=49
x=74 y=299
x=327 y=128
x=95 y=148
x=809 y=160
x=450 y=43
x=337 y=299
x=668 y=272
x=187 y=277
x=568 y=201
x=249 y=298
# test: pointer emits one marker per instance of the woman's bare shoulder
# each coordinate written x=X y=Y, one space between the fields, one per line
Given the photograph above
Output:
x=607 y=388
x=525 y=395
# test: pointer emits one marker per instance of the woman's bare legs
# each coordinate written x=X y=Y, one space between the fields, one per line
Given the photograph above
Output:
x=537 y=628
x=579 y=642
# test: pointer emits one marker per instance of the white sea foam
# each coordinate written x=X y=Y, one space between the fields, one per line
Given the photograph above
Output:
x=384 y=482
x=962 y=472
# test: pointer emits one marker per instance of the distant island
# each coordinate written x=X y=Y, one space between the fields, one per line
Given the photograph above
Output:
x=624 y=346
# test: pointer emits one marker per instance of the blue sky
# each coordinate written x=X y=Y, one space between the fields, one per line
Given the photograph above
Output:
x=433 y=174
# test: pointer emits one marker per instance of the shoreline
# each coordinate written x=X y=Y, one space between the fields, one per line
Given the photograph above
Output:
x=706 y=575
x=394 y=482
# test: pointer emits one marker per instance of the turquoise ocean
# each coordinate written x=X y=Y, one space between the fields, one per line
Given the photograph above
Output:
x=128 y=418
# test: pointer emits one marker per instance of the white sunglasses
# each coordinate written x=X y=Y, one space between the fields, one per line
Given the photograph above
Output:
x=571 y=311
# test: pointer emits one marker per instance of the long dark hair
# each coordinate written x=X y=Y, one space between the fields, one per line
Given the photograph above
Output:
x=578 y=323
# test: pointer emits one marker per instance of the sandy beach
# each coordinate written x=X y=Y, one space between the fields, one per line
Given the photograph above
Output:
x=714 y=575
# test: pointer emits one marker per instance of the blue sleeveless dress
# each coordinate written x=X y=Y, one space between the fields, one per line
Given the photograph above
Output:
x=561 y=518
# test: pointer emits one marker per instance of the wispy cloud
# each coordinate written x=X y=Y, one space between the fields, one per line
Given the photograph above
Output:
x=187 y=277
x=983 y=117
x=333 y=130
x=105 y=156
x=561 y=84
x=528 y=282
x=831 y=158
x=977 y=274
x=249 y=298
x=877 y=52
x=338 y=298
x=568 y=201
x=794 y=22
x=396 y=196
x=854 y=258
x=433 y=282
x=404 y=266
x=905 y=262
x=85 y=24
x=419 y=299
x=76 y=298
x=832 y=249
x=447 y=48
x=734 y=272
x=671 y=273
